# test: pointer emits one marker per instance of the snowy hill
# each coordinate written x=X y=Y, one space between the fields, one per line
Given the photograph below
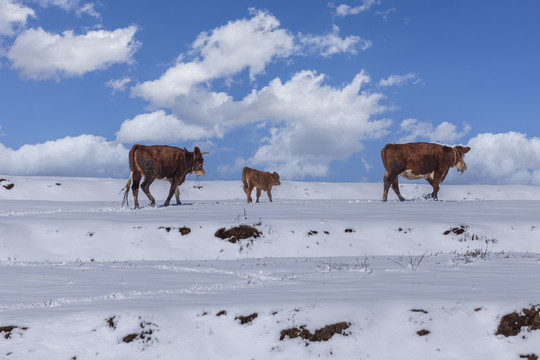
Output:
x=86 y=278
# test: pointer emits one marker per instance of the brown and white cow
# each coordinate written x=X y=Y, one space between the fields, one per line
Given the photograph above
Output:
x=161 y=162
x=420 y=161
x=260 y=180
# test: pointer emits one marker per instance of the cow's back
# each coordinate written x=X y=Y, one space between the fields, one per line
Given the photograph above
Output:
x=421 y=158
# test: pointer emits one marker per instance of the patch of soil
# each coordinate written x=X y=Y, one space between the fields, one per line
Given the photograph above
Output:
x=8 y=329
x=419 y=311
x=349 y=230
x=9 y=186
x=457 y=230
x=111 y=322
x=184 y=230
x=144 y=336
x=246 y=319
x=238 y=233
x=511 y=324
x=167 y=228
x=322 y=334
x=529 y=357
x=221 y=313
x=312 y=232
x=423 y=332
x=2 y=179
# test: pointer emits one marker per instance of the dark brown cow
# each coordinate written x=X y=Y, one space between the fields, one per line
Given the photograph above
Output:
x=260 y=180
x=164 y=163
x=420 y=161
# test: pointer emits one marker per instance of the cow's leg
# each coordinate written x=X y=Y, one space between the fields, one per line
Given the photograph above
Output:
x=258 y=194
x=435 y=184
x=135 y=187
x=177 y=195
x=395 y=187
x=173 y=189
x=391 y=180
x=269 y=192
x=145 y=186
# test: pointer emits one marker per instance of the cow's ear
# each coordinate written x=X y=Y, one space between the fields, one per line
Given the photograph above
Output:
x=466 y=150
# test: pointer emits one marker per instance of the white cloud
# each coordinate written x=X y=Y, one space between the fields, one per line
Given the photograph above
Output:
x=38 y=54
x=345 y=10
x=118 y=85
x=505 y=158
x=310 y=123
x=330 y=44
x=13 y=14
x=398 y=80
x=84 y=155
x=160 y=127
x=445 y=132
x=317 y=123
x=227 y=50
x=73 y=5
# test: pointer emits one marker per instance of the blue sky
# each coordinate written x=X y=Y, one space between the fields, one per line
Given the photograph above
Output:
x=310 y=89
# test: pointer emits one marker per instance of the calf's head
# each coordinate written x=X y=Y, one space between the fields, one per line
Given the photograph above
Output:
x=459 y=152
x=275 y=178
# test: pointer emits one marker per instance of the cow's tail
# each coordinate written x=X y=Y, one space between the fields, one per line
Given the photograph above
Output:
x=384 y=160
x=126 y=190
x=244 y=180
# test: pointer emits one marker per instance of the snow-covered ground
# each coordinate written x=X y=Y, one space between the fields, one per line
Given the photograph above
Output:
x=85 y=278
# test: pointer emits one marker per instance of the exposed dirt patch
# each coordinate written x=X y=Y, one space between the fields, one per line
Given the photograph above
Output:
x=457 y=230
x=184 y=230
x=9 y=186
x=2 y=179
x=322 y=334
x=112 y=322
x=7 y=330
x=144 y=336
x=423 y=332
x=238 y=233
x=511 y=324
x=419 y=311
x=464 y=235
x=221 y=313
x=349 y=230
x=246 y=319
x=529 y=357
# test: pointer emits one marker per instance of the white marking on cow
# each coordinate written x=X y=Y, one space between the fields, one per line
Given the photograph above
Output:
x=409 y=175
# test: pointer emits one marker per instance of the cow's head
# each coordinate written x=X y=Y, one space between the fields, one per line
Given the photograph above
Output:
x=459 y=152
x=275 y=177
x=198 y=162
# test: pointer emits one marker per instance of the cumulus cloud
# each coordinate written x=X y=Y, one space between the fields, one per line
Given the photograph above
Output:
x=242 y=44
x=12 y=15
x=309 y=123
x=505 y=158
x=38 y=54
x=331 y=44
x=317 y=124
x=160 y=127
x=84 y=155
x=445 y=132
x=346 y=10
x=398 y=80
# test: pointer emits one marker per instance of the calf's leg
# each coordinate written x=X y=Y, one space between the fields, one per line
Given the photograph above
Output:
x=258 y=194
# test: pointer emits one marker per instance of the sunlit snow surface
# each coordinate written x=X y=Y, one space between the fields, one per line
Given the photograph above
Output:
x=72 y=259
